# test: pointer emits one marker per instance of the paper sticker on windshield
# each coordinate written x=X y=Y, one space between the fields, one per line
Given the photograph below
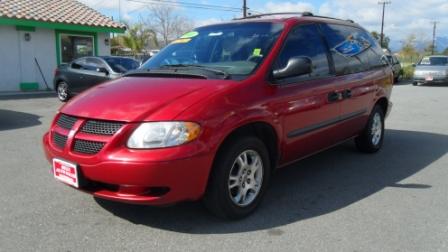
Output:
x=257 y=52
x=181 y=41
x=352 y=45
x=191 y=34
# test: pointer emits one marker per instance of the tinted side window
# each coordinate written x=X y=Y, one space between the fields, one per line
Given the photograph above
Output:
x=92 y=64
x=353 y=49
x=305 y=41
x=395 y=60
x=78 y=64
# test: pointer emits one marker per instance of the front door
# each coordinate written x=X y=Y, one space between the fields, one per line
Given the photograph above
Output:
x=92 y=76
x=307 y=104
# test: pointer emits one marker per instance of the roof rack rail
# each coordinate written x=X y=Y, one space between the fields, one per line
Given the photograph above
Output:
x=302 y=14
x=347 y=20
x=306 y=13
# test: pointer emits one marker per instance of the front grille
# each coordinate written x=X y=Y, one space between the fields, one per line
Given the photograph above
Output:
x=101 y=127
x=66 y=121
x=59 y=140
x=88 y=147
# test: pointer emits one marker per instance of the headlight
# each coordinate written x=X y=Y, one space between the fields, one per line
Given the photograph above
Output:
x=153 y=135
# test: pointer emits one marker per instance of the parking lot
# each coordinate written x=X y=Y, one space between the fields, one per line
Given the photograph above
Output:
x=338 y=200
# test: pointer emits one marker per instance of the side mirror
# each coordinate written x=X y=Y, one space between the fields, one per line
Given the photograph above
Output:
x=102 y=70
x=296 y=66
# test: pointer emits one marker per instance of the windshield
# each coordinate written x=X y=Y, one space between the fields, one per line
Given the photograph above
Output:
x=236 y=49
x=434 y=61
x=122 y=65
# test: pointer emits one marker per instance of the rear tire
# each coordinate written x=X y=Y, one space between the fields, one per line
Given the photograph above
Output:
x=239 y=178
x=371 y=138
x=63 y=91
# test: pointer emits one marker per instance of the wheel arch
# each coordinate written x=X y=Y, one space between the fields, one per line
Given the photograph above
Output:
x=383 y=102
x=57 y=81
x=260 y=129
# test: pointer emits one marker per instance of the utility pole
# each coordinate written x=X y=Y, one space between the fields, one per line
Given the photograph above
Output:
x=119 y=10
x=244 y=8
x=382 y=20
x=433 y=36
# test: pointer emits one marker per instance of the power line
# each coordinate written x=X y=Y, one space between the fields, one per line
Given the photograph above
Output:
x=98 y=4
x=189 y=5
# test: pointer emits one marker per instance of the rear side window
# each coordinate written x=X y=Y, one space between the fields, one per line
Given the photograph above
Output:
x=92 y=64
x=122 y=65
x=305 y=41
x=395 y=60
x=79 y=63
x=353 y=49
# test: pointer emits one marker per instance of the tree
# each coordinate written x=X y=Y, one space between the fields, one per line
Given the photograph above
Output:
x=408 y=51
x=429 y=49
x=386 y=39
x=169 y=25
x=445 y=52
x=137 y=37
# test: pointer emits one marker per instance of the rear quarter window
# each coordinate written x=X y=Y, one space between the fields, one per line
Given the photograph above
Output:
x=353 y=49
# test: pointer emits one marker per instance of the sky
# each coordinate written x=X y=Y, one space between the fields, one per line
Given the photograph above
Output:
x=402 y=17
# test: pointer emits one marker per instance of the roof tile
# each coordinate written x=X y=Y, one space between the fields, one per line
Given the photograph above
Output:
x=57 y=11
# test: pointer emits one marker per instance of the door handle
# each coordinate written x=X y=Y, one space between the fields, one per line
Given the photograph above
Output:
x=334 y=96
x=346 y=93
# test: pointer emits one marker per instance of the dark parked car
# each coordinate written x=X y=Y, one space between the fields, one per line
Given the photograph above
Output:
x=83 y=73
x=396 y=67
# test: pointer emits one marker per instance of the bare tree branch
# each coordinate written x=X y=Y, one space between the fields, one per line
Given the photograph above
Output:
x=167 y=23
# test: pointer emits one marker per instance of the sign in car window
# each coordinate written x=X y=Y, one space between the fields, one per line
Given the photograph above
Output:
x=353 y=45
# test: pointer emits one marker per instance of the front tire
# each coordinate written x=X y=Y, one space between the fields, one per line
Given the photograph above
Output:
x=371 y=138
x=239 y=178
x=63 y=91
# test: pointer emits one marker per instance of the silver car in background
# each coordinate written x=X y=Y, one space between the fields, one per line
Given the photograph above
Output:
x=431 y=70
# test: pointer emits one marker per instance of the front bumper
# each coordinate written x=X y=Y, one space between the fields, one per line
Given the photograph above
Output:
x=137 y=177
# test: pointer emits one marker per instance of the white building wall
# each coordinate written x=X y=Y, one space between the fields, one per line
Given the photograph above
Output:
x=45 y=53
x=17 y=58
x=103 y=49
x=9 y=59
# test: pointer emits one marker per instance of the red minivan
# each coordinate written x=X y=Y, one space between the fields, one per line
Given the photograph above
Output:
x=217 y=111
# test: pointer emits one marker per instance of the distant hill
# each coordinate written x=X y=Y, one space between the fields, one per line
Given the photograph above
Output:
x=441 y=44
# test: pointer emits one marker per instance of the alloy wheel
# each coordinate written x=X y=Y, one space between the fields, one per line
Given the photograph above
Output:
x=246 y=178
x=377 y=129
x=62 y=91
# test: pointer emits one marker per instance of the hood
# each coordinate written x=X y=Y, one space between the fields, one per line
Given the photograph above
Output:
x=133 y=99
x=431 y=68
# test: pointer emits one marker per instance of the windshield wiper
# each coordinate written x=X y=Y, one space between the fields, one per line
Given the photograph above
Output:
x=213 y=70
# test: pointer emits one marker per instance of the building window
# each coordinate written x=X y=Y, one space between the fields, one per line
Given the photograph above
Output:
x=75 y=46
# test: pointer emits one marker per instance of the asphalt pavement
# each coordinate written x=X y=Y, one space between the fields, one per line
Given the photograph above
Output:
x=338 y=200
